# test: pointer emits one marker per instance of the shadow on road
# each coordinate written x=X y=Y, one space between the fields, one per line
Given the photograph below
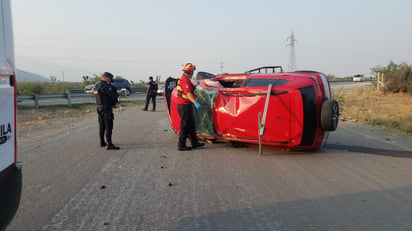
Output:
x=373 y=151
x=372 y=210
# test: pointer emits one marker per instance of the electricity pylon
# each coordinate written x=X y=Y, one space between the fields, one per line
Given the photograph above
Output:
x=292 y=56
x=221 y=67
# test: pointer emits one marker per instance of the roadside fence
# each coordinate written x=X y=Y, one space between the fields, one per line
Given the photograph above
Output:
x=380 y=81
x=69 y=95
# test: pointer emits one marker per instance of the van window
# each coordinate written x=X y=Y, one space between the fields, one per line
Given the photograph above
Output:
x=4 y=80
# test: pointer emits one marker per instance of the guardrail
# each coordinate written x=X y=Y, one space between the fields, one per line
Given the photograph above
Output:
x=70 y=93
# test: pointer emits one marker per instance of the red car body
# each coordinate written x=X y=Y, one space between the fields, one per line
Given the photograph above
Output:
x=297 y=111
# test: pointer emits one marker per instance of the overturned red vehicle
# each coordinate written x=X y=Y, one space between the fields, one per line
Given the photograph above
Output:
x=263 y=106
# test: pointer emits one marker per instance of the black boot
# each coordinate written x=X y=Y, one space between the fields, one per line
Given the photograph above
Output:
x=102 y=142
x=184 y=148
x=112 y=147
x=197 y=145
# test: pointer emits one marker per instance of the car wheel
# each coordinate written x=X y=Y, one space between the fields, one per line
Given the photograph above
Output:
x=329 y=116
x=128 y=92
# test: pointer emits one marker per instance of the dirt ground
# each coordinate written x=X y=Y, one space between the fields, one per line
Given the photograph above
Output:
x=49 y=120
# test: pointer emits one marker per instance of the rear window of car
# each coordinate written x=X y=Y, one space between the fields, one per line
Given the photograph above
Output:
x=263 y=82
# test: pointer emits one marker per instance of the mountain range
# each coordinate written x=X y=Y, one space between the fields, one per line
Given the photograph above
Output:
x=25 y=76
x=39 y=70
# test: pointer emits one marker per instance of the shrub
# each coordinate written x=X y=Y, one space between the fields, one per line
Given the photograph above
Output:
x=46 y=88
x=397 y=77
x=87 y=80
x=30 y=88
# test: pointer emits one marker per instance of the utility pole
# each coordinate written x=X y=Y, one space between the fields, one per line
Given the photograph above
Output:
x=292 y=56
x=53 y=79
x=63 y=75
x=221 y=67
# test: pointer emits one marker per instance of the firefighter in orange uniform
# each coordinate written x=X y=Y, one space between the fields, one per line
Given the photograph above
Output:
x=185 y=100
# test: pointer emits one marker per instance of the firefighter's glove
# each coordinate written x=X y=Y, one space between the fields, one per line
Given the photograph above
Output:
x=198 y=106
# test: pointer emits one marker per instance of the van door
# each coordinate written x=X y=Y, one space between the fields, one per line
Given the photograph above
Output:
x=10 y=173
x=7 y=91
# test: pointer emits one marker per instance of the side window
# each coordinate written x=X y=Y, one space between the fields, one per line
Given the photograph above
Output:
x=264 y=82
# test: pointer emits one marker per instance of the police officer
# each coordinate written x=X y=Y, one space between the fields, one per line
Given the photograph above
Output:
x=151 y=92
x=106 y=97
x=185 y=100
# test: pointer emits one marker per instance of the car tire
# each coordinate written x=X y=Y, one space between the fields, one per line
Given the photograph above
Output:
x=329 y=116
x=128 y=92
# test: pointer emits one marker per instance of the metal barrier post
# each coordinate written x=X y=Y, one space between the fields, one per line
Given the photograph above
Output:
x=36 y=101
x=69 y=98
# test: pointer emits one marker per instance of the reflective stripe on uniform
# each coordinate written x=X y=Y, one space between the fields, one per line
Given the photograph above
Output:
x=180 y=93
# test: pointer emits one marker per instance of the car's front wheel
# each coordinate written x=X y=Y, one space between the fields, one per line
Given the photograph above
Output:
x=329 y=116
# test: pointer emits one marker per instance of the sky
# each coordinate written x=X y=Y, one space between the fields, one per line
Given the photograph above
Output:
x=136 y=39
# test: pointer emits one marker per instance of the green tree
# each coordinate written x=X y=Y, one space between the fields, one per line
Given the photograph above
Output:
x=87 y=80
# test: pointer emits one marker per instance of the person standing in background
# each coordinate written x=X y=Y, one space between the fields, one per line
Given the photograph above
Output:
x=151 y=92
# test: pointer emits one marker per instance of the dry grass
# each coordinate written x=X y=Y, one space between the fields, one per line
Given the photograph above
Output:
x=28 y=115
x=392 y=111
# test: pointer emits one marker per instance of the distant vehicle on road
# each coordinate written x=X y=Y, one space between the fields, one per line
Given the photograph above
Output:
x=204 y=75
x=358 y=78
x=89 y=88
x=265 y=106
x=160 y=89
x=121 y=84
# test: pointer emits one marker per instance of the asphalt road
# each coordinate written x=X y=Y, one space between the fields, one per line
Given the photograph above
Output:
x=361 y=180
x=347 y=86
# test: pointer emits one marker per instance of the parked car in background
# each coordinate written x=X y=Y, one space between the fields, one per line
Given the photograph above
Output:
x=204 y=75
x=121 y=84
x=89 y=88
x=160 y=89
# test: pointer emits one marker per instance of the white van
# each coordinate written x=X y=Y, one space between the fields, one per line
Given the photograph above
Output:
x=10 y=170
x=358 y=78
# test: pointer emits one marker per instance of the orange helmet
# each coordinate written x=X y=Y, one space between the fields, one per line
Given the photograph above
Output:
x=189 y=68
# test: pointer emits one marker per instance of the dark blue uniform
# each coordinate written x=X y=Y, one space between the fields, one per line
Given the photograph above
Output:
x=106 y=97
x=151 y=93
